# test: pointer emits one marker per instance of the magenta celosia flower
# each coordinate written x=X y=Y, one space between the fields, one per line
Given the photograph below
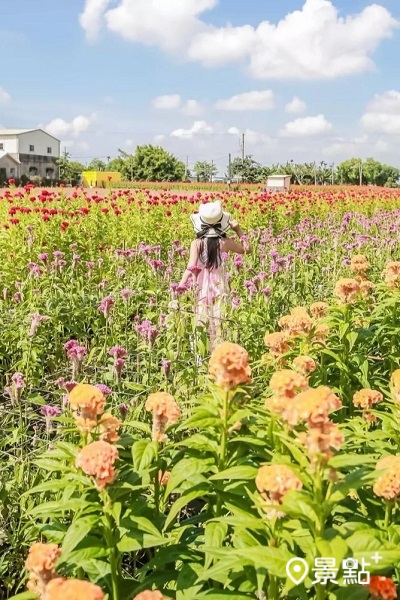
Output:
x=17 y=297
x=34 y=270
x=43 y=256
x=105 y=390
x=123 y=409
x=15 y=389
x=70 y=344
x=69 y=385
x=50 y=411
x=75 y=355
x=118 y=352
x=195 y=270
x=36 y=320
x=166 y=366
x=126 y=294
x=58 y=254
x=106 y=305
x=60 y=383
x=161 y=319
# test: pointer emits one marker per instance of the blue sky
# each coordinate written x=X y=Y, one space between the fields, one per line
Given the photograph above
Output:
x=303 y=79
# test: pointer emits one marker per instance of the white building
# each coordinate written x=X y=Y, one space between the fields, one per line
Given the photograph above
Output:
x=278 y=183
x=30 y=152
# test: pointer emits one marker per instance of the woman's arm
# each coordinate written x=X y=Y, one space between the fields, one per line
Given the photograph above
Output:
x=193 y=258
x=237 y=229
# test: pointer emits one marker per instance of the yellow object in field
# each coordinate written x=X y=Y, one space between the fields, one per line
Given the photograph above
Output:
x=100 y=178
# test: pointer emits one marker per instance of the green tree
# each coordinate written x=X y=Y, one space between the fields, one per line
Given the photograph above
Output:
x=96 y=165
x=369 y=172
x=153 y=163
x=205 y=171
x=70 y=170
x=247 y=170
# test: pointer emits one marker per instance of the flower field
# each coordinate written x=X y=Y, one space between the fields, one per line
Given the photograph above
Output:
x=138 y=464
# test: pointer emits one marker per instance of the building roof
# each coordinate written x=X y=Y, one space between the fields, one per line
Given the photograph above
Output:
x=278 y=176
x=21 y=131
x=13 y=157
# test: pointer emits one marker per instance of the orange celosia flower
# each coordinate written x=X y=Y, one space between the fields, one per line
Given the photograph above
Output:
x=391 y=273
x=395 y=385
x=347 y=290
x=366 y=398
x=300 y=321
x=165 y=411
x=304 y=365
x=40 y=563
x=388 y=484
x=321 y=332
x=163 y=478
x=277 y=342
x=150 y=595
x=312 y=406
x=319 y=309
x=382 y=588
x=97 y=460
x=229 y=366
x=273 y=482
x=73 y=589
x=109 y=426
x=359 y=264
x=87 y=399
x=320 y=441
x=85 y=425
x=288 y=383
x=366 y=287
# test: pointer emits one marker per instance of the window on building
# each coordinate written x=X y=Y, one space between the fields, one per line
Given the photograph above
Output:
x=31 y=148
x=1 y=146
x=12 y=171
x=48 y=149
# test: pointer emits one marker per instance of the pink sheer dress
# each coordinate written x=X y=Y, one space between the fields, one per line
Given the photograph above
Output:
x=212 y=292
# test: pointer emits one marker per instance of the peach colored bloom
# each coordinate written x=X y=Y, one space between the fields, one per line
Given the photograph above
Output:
x=85 y=425
x=150 y=595
x=321 y=441
x=165 y=411
x=304 y=365
x=288 y=383
x=109 y=426
x=347 y=290
x=366 y=398
x=395 y=385
x=40 y=563
x=321 y=332
x=366 y=288
x=312 y=406
x=277 y=342
x=318 y=309
x=97 y=460
x=388 y=484
x=391 y=274
x=163 y=478
x=87 y=399
x=300 y=321
x=273 y=482
x=229 y=366
x=359 y=264
x=73 y=589
x=382 y=588
x=276 y=404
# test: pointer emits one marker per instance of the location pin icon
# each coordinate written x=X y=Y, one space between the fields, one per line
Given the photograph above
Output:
x=297 y=570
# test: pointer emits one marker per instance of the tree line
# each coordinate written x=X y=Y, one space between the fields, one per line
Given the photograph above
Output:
x=153 y=163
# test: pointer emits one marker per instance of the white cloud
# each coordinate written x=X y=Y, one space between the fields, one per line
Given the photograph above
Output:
x=198 y=128
x=60 y=127
x=167 y=102
x=306 y=127
x=257 y=100
x=383 y=113
x=234 y=131
x=159 y=138
x=251 y=137
x=4 y=96
x=312 y=43
x=92 y=17
x=295 y=106
x=193 y=108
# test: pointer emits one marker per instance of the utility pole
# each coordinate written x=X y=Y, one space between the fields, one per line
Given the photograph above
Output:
x=333 y=173
x=361 y=171
x=229 y=171
x=187 y=167
x=243 y=148
x=212 y=170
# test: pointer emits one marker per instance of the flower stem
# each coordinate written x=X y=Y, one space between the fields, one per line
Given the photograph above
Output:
x=223 y=445
x=110 y=541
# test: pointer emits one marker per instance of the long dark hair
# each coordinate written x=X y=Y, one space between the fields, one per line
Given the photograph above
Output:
x=212 y=248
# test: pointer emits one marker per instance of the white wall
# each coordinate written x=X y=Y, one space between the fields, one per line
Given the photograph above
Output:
x=10 y=145
x=41 y=141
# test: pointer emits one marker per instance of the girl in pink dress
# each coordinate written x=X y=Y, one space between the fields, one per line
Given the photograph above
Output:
x=211 y=225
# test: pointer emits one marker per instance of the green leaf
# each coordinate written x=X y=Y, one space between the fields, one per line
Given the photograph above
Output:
x=77 y=531
x=198 y=491
x=144 y=453
x=244 y=472
x=214 y=537
x=184 y=470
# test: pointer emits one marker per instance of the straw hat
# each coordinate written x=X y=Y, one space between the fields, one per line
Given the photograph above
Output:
x=211 y=220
